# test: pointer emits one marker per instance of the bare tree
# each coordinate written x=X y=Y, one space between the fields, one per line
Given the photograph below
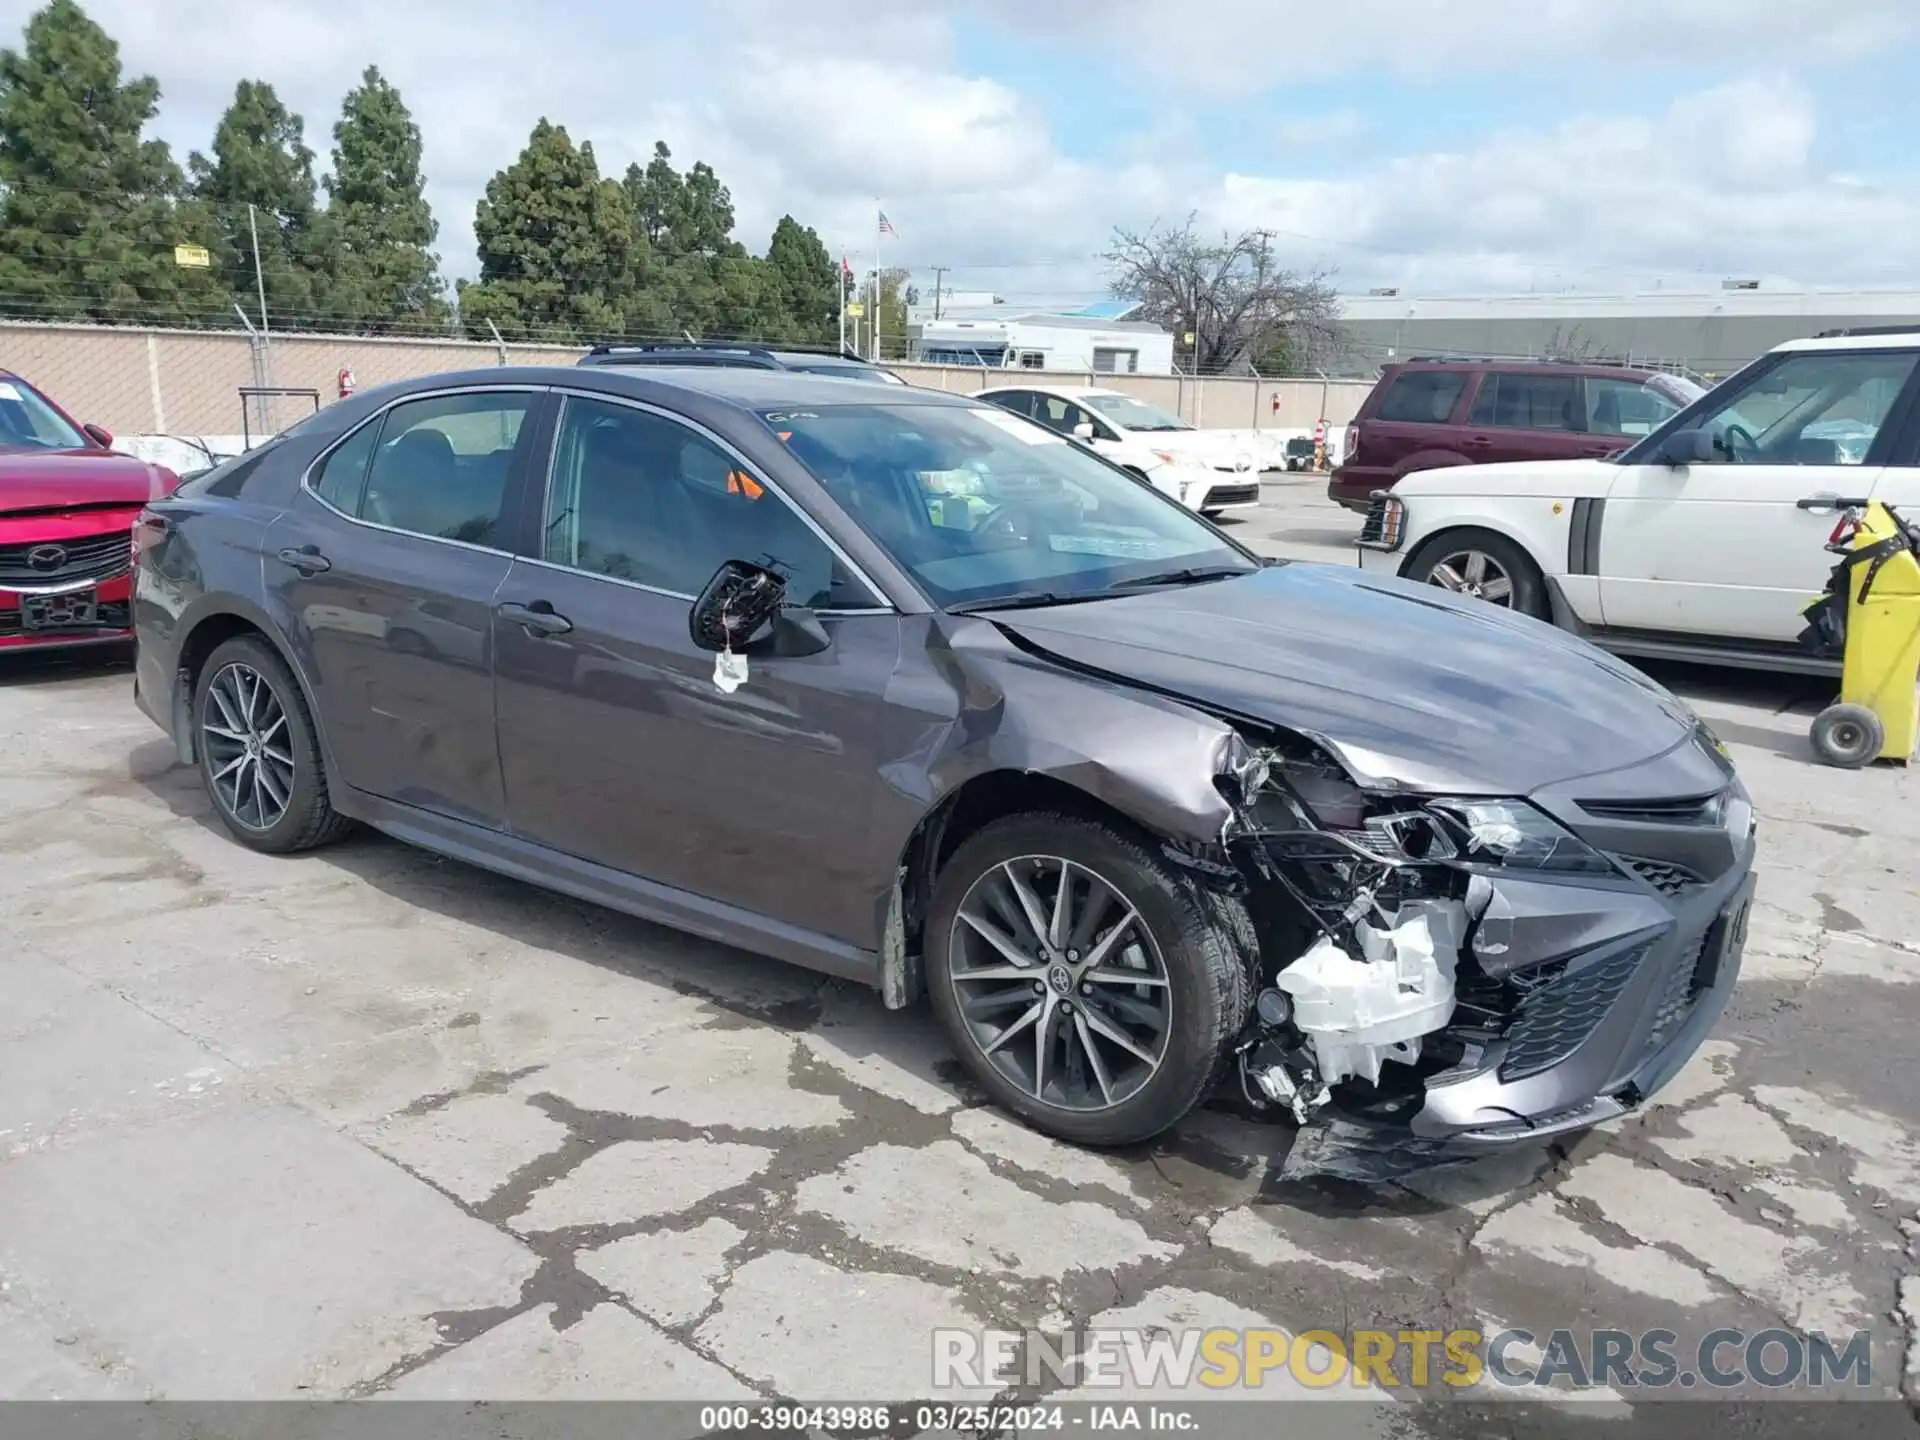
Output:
x=1241 y=307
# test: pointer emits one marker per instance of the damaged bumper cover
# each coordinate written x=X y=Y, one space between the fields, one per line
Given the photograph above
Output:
x=1589 y=974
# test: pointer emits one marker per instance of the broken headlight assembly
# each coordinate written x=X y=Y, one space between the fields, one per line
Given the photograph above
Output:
x=1507 y=834
x=1386 y=887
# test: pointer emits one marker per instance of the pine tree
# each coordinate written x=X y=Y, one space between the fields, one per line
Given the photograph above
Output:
x=90 y=212
x=558 y=250
x=806 y=282
x=261 y=160
x=389 y=279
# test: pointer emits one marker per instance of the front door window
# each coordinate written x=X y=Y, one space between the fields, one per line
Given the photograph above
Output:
x=1818 y=408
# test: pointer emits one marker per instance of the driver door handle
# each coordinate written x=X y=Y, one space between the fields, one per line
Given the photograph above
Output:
x=536 y=618
x=307 y=559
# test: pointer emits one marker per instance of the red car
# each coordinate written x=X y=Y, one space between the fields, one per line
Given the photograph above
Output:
x=67 y=509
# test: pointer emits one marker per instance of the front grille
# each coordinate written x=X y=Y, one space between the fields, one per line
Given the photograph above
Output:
x=111 y=617
x=89 y=557
x=1232 y=494
x=1662 y=875
x=1386 y=519
x=1556 y=1019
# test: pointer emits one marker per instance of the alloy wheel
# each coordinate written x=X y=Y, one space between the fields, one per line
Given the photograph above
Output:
x=243 y=727
x=1475 y=573
x=1061 y=983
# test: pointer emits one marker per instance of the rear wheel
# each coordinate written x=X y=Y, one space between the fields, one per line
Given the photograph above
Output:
x=1085 y=986
x=1483 y=565
x=259 y=756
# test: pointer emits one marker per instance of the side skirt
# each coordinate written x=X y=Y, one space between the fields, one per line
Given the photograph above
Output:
x=584 y=880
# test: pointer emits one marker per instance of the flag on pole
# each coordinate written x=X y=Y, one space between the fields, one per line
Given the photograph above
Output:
x=886 y=225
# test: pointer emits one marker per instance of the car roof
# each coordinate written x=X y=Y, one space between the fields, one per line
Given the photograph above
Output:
x=1065 y=392
x=1891 y=337
x=743 y=386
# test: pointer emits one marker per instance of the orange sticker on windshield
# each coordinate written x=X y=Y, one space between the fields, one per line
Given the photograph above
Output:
x=741 y=483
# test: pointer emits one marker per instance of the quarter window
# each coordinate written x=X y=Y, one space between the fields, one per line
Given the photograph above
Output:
x=636 y=496
x=1425 y=397
x=440 y=468
x=342 y=476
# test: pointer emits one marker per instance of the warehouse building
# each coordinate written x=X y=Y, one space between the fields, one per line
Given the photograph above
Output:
x=1709 y=333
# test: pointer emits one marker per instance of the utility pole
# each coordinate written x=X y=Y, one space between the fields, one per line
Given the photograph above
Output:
x=264 y=369
x=938 y=271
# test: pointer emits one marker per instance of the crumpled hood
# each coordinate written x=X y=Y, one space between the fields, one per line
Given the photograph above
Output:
x=50 y=479
x=1403 y=682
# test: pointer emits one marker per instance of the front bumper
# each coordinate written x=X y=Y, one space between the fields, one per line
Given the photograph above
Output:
x=1221 y=490
x=110 y=617
x=1607 y=987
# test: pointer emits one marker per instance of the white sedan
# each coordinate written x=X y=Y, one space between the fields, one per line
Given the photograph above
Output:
x=1205 y=471
x=1705 y=540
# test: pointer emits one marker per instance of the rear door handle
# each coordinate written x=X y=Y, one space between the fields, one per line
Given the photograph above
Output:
x=1478 y=441
x=536 y=619
x=307 y=559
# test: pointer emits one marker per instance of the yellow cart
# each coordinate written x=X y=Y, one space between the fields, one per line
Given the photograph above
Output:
x=1870 y=616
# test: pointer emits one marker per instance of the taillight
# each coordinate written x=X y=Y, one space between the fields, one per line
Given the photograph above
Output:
x=1350 y=446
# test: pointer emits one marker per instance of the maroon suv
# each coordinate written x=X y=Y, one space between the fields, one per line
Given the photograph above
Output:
x=1427 y=414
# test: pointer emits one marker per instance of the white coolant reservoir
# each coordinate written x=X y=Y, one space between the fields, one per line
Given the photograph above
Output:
x=1361 y=1012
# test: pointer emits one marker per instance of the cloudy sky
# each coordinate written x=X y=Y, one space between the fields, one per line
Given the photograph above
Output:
x=1445 y=146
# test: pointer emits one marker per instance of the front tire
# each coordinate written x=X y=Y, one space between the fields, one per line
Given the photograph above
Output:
x=1100 y=1018
x=260 y=758
x=1483 y=565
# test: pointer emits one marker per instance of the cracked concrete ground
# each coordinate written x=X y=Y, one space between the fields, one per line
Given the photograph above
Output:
x=366 y=1122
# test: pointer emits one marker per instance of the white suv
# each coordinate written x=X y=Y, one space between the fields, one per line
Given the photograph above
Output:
x=1705 y=539
x=1203 y=470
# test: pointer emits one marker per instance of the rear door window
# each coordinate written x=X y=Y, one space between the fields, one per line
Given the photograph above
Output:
x=441 y=466
x=1424 y=397
x=1511 y=401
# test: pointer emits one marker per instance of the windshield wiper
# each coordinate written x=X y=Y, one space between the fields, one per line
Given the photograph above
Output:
x=1193 y=575
x=1022 y=600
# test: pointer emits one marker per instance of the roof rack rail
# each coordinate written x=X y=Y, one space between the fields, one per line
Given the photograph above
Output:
x=1910 y=328
x=1465 y=359
x=647 y=347
x=734 y=347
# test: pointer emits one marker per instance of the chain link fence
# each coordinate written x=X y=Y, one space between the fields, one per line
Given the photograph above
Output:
x=138 y=381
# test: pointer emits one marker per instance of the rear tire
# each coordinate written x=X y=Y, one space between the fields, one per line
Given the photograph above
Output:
x=1481 y=564
x=1848 y=736
x=260 y=757
x=1173 y=1026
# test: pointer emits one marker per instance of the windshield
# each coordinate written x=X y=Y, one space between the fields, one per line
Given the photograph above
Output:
x=28 y=422
x=980 y=505
x=1131 y=414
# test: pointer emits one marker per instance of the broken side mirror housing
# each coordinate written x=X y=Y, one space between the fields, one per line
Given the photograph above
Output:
x=738 y=601
x=743 y=599
x=1687 y=447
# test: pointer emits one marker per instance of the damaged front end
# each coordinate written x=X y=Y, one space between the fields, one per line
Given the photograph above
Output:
x=1443 y=975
